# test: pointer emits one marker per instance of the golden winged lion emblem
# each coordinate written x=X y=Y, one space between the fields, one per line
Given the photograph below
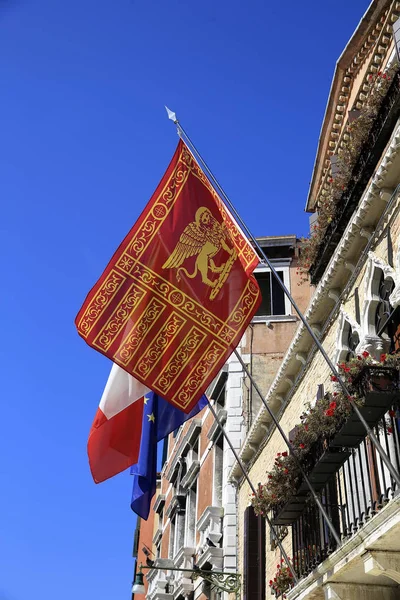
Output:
x=204 y=237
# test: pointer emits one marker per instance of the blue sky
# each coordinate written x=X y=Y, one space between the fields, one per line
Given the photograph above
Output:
x=84 y=141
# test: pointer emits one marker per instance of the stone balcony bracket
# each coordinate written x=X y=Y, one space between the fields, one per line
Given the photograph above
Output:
x=184 y=558
x=377 y=562
x=386 y=193
x=366 y=232
x=350 y=266
x=316 y=327
x=301 y=357
x=356 y=591
x=210 y=520
x=334 y=294
x=213 y=556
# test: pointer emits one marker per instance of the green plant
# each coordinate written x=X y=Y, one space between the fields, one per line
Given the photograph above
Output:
x=282 y=581
x=355 y=135
x=318 y=424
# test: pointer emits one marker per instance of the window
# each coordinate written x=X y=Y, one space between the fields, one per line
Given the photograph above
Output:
x=387 y=320
x=254 y=556
x=352 y=339
x=218 y=471
x=190 y=525
x=273 y=299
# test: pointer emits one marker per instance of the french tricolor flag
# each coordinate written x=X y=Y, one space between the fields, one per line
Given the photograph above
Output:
x=114 y=439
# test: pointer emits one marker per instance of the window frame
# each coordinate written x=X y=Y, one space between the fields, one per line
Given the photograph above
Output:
x=279 y=265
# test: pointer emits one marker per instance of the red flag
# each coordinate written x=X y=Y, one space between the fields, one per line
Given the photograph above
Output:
x=178 y=294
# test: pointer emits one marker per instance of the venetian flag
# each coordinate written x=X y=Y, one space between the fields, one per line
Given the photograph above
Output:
x=178 y=294
x=114 y=439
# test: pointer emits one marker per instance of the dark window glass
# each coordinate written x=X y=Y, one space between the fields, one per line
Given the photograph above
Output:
x=254 y=556
x=273 y=297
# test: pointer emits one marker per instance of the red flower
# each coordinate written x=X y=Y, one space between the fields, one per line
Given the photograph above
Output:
x=284 y=454
x=278 y=454
x=302 y=446
x=365 y=354
x=335 y=393
x=359 y=357
x=286 y=471
x=333 y=405
x=383 y=357
x=392 y=413
x=390 y=430
x=269 y=476
x=306 y=427
x=271 y=582
x=329 y=412
x=334 y=378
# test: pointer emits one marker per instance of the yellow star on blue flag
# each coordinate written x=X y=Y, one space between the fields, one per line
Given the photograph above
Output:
x=160 y=418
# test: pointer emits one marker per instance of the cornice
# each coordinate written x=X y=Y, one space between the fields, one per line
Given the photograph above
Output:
x=159 y=503
x=371 y=43
x=209 y=514
x=215 y=429
x=157 y=536
x=191 y=475
x=292 y=368
x=192 y=432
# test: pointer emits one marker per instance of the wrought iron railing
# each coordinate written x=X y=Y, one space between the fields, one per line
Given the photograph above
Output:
x=352 y=496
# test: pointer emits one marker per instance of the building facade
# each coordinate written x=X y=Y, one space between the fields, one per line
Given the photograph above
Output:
x=354 y=313
x=195 y=515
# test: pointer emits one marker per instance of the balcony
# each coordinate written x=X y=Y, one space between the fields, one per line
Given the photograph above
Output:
x=380 y=388
x=360 y=497
x=368 y=160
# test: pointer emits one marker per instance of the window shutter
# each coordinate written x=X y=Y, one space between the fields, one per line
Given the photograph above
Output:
x=254 y=556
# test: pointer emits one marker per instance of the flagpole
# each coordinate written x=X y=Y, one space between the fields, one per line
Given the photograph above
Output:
x=253 y=489
x=291 y=450
x=370 y=433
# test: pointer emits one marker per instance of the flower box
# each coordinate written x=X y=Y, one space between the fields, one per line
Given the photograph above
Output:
x=324 y=469
x=380 y=388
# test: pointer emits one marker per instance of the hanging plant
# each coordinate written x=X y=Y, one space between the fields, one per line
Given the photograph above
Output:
x=356 y=134
x=283 y=580
x=318 y=425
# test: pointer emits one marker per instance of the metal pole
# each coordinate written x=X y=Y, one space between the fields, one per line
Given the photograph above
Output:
x=330 y=364
x=291 y=449
x=241 y=465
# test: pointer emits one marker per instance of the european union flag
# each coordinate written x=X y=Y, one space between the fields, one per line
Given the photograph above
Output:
x=159 y=420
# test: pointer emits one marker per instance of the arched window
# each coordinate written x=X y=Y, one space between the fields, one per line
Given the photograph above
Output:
x=352 y=339
x=348 y=338
x=386 y=319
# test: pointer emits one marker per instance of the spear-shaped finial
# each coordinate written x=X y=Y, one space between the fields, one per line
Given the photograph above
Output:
x=171 y=115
